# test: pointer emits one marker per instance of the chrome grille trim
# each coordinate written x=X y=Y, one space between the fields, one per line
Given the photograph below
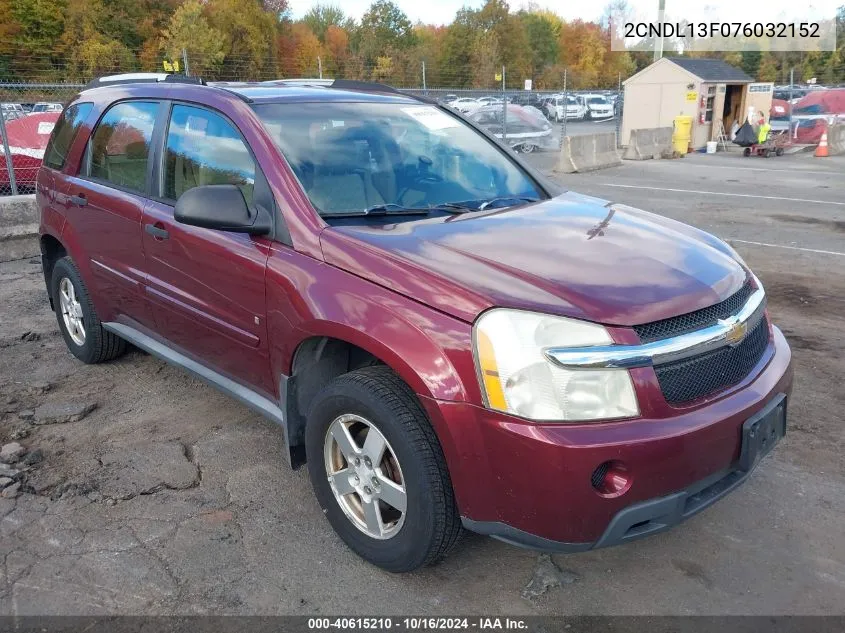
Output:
x=666 y=350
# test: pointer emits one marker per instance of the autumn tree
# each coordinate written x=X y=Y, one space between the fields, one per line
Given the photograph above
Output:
x=189 y=29
x=336 y=49
x=248 y=38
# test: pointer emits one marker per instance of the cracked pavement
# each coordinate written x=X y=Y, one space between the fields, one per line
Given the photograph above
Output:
x=170 y=498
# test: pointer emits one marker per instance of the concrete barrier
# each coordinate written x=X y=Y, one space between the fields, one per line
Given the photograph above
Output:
x=18 y=228
x=588 y=152
x=649 y=143
x=836 y=139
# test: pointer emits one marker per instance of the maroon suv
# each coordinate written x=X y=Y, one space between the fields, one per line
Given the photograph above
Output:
x=448 y=339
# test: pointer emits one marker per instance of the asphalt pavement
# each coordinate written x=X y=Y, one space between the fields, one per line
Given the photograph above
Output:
x=169 y=497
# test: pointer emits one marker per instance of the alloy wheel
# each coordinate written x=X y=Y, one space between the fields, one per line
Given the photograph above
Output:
x=365 y=476
x=71 y=312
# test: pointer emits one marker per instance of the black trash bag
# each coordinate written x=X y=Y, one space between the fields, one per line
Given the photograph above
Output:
x=746 y=136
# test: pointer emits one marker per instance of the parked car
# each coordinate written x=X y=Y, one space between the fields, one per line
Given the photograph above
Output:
x=465 y=104
x=488 y=101
x=527 y=129
x=598 y=106
x=47 y=107
x=28 y=136
x=528 y=99
x=446 y=337
x=569 y=106
x=11 y=111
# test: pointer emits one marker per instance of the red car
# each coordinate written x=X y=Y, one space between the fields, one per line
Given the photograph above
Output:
x=448 y=339
x=28 y=136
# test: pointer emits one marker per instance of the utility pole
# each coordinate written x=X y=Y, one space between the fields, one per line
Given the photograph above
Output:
x=791 y=83
x=504 y=108
x=320 y=66
x=185 y=62
x=9 y=166
x=425 y=89
x=658 y=44
x=565 y=104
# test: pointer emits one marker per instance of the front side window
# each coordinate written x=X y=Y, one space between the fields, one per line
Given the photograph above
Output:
x=120 y=146
x=64 y=134
x=354 y=156
x=203 y=148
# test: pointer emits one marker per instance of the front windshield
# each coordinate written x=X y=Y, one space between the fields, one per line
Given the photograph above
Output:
x=356 y=156
x=598 y=100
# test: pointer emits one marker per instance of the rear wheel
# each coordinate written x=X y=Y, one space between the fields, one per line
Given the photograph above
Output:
x=378 y=471
x=527 y=148
x=746 y=151
x=78 y=321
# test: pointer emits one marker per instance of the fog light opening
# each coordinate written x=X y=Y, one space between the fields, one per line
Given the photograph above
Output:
x=611 y=479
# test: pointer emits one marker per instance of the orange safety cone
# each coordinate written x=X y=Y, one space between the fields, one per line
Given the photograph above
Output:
x=821 y=150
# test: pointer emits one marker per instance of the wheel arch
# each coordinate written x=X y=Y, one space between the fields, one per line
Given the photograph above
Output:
x=52 y=250
x=320 y=356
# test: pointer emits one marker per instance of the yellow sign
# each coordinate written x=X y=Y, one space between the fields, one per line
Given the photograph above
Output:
x=692 y=95
x=498 y=76
x=170 y=67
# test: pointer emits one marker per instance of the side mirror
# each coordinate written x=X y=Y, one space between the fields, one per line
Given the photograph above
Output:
x=221 y=207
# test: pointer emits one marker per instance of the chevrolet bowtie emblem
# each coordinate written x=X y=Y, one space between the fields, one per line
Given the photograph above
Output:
x=736 y=331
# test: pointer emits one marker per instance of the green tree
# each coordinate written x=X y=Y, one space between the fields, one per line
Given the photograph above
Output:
x=543 y=37
x=39 y=27
x=189 y=29
x=751 y=62
x=384 y=28
x=322 y=16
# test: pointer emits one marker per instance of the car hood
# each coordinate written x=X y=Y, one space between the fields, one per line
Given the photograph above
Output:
x=572 y=255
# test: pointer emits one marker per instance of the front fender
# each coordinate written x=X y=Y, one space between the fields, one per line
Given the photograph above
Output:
x=431 y=351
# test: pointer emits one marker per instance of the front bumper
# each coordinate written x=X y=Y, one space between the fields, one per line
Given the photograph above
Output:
x=529 y=484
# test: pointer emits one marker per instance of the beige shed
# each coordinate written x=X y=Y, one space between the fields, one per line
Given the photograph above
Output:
x=711 y=91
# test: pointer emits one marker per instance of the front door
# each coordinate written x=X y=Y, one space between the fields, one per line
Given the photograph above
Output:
x=206 y=286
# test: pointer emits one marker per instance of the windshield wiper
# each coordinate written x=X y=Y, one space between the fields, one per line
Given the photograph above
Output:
x=486 y=204
x=380 y=209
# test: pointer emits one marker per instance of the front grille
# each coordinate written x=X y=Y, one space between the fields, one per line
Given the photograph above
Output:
x=697 y=320
x=687 y=380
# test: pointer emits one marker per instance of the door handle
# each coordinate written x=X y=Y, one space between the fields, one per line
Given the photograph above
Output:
x=156 y=231
x=79 y=201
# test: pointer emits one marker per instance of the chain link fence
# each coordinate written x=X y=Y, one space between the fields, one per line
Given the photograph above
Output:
x=528 y=120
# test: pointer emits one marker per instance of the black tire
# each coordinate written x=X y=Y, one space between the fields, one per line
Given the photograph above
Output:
x=746 y=151
x=100 y=345
x=779 y=151
x=432 y=524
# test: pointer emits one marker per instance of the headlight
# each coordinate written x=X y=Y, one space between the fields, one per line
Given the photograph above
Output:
x=517 y=378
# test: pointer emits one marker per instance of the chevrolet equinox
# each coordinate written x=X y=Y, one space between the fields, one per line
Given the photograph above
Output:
x=448 y=340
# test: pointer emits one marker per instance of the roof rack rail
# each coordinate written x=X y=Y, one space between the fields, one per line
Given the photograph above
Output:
x=367 y=86
x=140 y=78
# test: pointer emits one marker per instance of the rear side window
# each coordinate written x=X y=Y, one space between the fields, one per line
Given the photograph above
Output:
x=64 y=134
x=203 y=148
x=120 y=146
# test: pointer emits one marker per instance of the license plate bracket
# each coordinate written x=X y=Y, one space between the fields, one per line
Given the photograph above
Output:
x=762 y=431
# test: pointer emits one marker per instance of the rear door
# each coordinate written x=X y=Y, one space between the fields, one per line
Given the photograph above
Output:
x=206 y=286
x=105 y=204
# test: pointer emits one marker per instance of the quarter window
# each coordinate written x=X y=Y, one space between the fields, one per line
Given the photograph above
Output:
x=64 y=134
x=203 y=148
x=120 y=146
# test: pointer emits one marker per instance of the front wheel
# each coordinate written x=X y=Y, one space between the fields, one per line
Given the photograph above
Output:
x=527 y=148
x=378 y=471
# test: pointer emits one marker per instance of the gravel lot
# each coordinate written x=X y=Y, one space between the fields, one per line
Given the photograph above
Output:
x=166 y=497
